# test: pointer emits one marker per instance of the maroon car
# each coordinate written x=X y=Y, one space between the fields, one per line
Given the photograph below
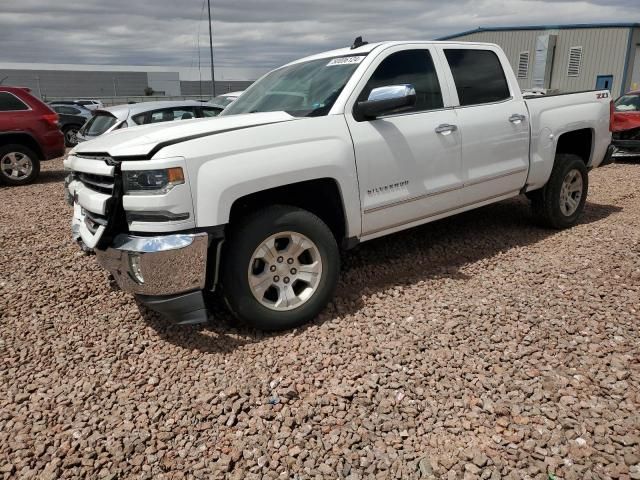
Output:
x=29 y=133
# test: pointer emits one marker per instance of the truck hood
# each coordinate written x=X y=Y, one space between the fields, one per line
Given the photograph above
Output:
x=145 y=141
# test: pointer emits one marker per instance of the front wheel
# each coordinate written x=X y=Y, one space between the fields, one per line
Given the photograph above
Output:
x=561 y=202
x=280 y=268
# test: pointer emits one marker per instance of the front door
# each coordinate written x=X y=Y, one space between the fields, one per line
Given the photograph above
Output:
x=494 y=124
x=408 y=172
x=604 y=82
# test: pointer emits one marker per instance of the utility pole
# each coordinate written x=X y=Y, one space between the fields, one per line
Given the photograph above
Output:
x=39 y=89
x=213 y=78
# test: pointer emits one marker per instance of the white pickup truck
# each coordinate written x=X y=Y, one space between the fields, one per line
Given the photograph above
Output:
x=321 y=154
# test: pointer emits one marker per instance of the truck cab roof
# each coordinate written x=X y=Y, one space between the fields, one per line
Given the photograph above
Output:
x=369 y=47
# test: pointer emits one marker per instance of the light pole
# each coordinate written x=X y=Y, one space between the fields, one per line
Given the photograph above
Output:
x=39 y=89
x=213 y=78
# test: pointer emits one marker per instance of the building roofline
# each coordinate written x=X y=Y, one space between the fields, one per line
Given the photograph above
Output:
x=567 y=26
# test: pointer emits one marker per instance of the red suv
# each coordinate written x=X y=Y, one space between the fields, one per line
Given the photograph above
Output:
x=29 y=133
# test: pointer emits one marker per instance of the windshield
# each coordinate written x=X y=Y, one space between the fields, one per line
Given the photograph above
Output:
x=628 y=103
x=98 y=124
x=306 y=89
x=222 y=100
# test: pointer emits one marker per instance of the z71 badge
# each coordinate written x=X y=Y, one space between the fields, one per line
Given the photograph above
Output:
x=602 y=95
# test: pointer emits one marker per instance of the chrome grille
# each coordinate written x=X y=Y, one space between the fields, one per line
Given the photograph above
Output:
x=99 y=183
x=93 y=220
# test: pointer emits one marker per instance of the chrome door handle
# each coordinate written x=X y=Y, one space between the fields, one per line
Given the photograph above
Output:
x=446 y=129
x=517 y=118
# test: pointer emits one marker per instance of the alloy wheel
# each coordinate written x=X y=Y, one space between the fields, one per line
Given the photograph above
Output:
x=284 y=271
x=571 y=192
x=16 y=165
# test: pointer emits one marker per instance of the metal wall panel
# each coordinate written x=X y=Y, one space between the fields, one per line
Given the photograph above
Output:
x=204 y=88
x=167 y=82
x=633 y=69
x=604 y=52
x=79 y=84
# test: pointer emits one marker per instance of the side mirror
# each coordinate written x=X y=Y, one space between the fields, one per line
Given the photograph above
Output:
x=386 y=100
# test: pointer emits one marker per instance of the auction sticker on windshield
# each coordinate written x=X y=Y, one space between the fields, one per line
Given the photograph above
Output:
x=345 y=60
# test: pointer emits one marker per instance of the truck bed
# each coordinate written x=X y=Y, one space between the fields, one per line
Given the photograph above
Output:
x=550 y=116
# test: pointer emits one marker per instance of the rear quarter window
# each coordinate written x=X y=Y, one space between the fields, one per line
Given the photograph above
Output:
x=99 y=123
x=10 y=103
x=478 y=76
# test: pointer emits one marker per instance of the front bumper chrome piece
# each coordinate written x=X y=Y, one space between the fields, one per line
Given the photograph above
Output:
x=160 y=265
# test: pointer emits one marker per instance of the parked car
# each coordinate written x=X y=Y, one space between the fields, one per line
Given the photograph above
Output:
x=223 y=101
x=88 y=104
x=108 y=119
x=331 y=150
x=626 y=125
x=72 y=118
x=91 y=104
x=29 y=133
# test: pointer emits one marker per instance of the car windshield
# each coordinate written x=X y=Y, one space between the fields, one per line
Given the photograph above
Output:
x=307 y=89
x=98 y=124
x=628 y=103
x=222 y=100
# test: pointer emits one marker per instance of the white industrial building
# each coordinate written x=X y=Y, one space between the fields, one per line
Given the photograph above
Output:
x=568 y=58
x=51 y=81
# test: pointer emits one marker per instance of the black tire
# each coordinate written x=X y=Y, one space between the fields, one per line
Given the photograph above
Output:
x=70 y=135
x=238 y=250
x=546 y=202
x=8 y=154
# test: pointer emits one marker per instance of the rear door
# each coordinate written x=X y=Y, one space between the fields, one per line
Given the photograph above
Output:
x=408 y=163
x=493 y=122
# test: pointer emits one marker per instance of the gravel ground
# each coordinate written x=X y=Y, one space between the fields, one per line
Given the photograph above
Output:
x=476 y=347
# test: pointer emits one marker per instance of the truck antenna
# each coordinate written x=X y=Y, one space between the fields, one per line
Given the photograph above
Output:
x=358 y=42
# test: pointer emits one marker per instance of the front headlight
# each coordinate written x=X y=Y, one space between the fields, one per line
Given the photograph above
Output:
x=152 y=182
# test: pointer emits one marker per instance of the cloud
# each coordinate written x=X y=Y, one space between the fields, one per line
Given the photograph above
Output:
x=253 y=36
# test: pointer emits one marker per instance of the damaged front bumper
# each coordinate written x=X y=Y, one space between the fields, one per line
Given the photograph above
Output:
x=167 y=273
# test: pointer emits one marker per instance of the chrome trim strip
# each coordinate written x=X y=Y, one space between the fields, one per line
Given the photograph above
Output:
x=458 y=207
x=497 y=102
x=446 y=190
x=161 y=243
x=496 y=177
x=92 y=165
x=413 y=199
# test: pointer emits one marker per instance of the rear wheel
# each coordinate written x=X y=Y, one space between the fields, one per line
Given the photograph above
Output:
x=561 y=202
x=71 y=135
x=280 y=268
x=19 y=165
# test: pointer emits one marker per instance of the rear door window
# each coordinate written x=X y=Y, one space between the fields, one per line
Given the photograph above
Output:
x=171 y=114
x=140 y=119
x=10 y=103
x=210 y=111
x=66 y=110
x=478 y=76
x=99 y=123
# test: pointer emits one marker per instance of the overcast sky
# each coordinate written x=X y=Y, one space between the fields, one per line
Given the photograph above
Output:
x=255 y=35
